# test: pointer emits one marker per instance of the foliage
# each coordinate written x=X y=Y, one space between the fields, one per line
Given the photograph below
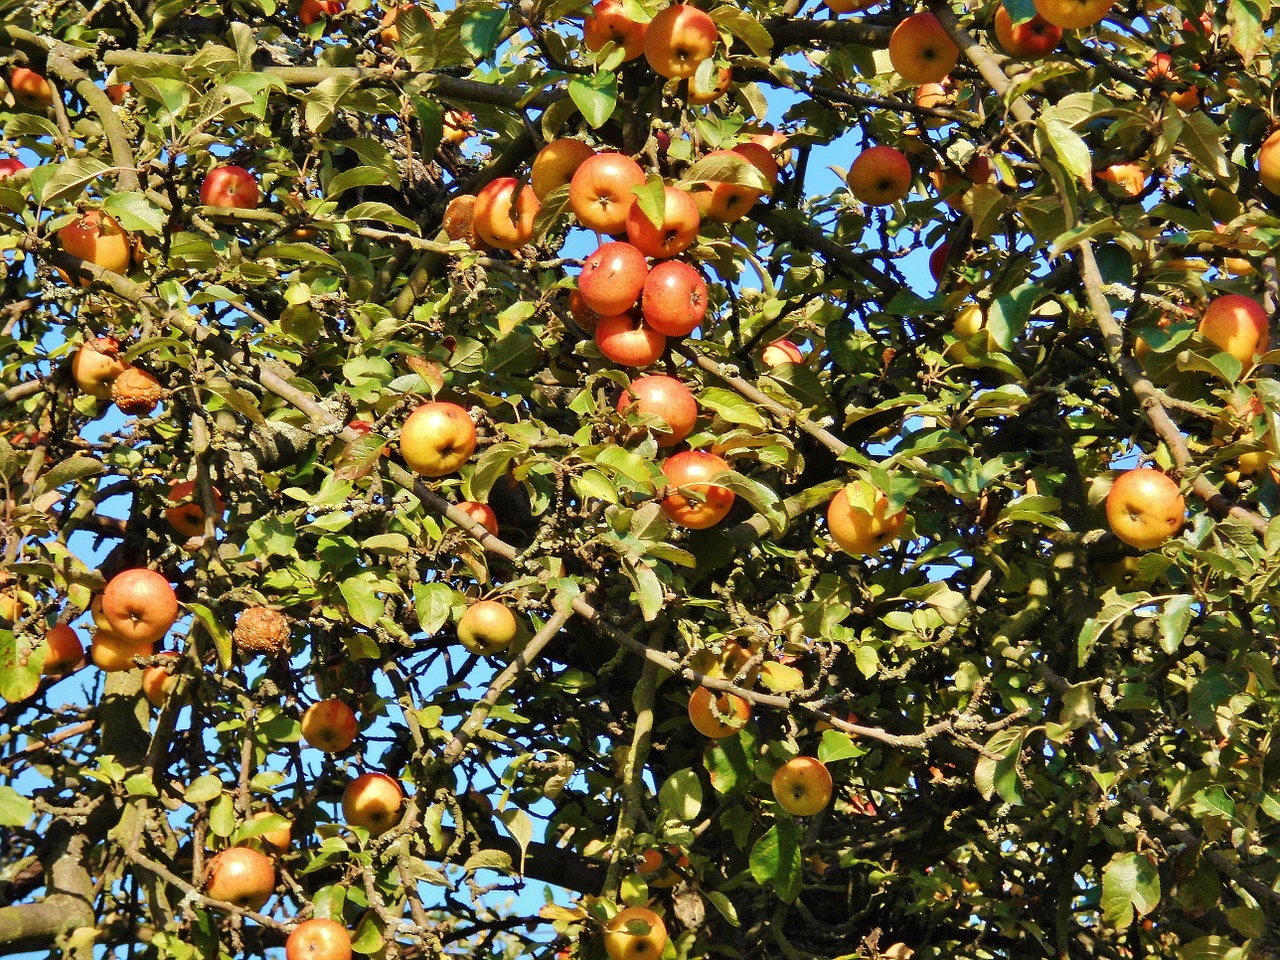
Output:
x=1044 y=743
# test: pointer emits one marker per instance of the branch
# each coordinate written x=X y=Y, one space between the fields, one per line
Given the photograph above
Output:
x=68 y=904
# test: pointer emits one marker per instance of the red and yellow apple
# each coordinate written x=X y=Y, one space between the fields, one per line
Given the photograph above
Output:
x=717 y=716
x=678 y=39
x=30 y=89
x=1073 y=14
x=437 y=439
x=636 y=933
x=330 y=725
x=502 y=217
x=63 y=650
x=629 y=341
x=186 y=513
x=230 y=186
x=600 y=191
x=921 y=50
x=780 y=352
x=674 y=299
x=1145 y=508
x=1032 y=39
x=673 y=234
x=98 y=238
x=95 y=366
x=666 y=398
x=608 y=22
x=487 y=627
x=1237 y=325
x=857 y=530
x=556 y=163
x=880 y=176
x=612 y=278
x=139 y=605
x=242 y=877
x=318 y=939
x=802 y=786
x=373 y=801
x=708 y=503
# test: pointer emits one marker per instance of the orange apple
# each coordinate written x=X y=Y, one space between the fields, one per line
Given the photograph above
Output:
x=1073 y=14
x=482 y=514
x=186 y=515
x=230 y=186
x=921 y=50
x=628 y=341
x=1129 y=177
x=112 y=653
x=608 y=22
x=780 y=352
x=709 y=502
x=1237 y=325
x=14 y=603
x=666 y=398
x=880 y=176
x=318 y=939
x=330 y=725
x=493 y=213
x=674 y=234
x=159 y=681
x=242 y=877
x=600 y=191
x=556 y=163
x=139 y=605
x=277 y=840
x=1145 y=508
x=636 y=933
x=95 y=366
x=678 y=39
x=729 y=202
x=30 y=89
x=437 y=439
x=725 y=719
x=1033 y=39
x=99 y=239
x=802 y=786
x=116 y=92
x=487 y=627
x=652 y=863
x=1269 y=163
x=1165 y=80
x=63 y=650
x=311 y=11
x=373 y=801
x=856 y=530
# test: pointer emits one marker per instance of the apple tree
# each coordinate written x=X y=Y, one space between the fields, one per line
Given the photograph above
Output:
x=753 y=478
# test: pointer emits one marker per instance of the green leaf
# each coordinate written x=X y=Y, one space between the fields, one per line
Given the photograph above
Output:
x=775 y=859
x=77 y=467
x=136 y=212
x=648 y=588
x=520 y=826
x=494 y=463
x=763 y=498
x=481 y=31
x=838 y=745
x=1001 y=775
x=433 y=603
x=652 y=200
x=595 y=96
x=724 y=906
x=213 y=626
x=745 y=27
x=20 y=663
x=726 y=168
x=363 y=602
x=1130 y=883
x=381 y=213
x=1203 y=139
x=203 y=789
x=1174 y=622
x=680 y=797
x=140 y=785
x=15 y=809
x=498 y=860
x=52 y=182
x=1071 y=150
x=732 y=406
x=368 y=936
x=1246 y=33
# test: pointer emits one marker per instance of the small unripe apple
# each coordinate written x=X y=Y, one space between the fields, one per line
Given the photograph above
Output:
x=487 y=627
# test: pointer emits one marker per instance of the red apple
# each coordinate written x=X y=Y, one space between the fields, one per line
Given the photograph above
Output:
x=780 y=352
x=629 y=341
x=30 y=89
x=187 y=513
x=678 y=39
x=63 y=650
x=710 y=502
x=921 y=50
x=1237 y=325
x=230 y=186
x=880 y=176
x=600 y=191
x=139 y=605
x=318 y=939
x=373 y=801
x=492 y=215
x=674 y=234
x=1032 y=39
x=242 y=877
x=11 y=165
x=666 y=398
x=674 y=298
x=482 y=514
x=612 y=278
x=609 y=23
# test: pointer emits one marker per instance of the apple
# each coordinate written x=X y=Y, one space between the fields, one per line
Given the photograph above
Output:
x=1144 y=508
x=98 y=238
x=652 y=863
x=30 y=89
x=710 y=502
x=459 y=221
x=136 y=392
x=730 y=202
x=230 y=186
x=715 y=716
x=1164 y=78
x=63 y=650
x=11 y=165
x=556 y=163
x=486 y=627
x=437 y=439
x=1269 y=163
x=1129 y=177
x=880 y=176
x=390 y=32
x=933 y=96
x=921 y=50
x=329 y=725
x=666 y=398
x=586 y=318
x=158 y=681
x=674 y=298
x=261 y=630
x=1237 y=325
x=802 y=786
x=780 y=352
x=318 y=939
x=242 y=877
x=600 y=193
x=678 y=39
x=938 y=260
x=721 y=79
x=947 y=181
x=459 y=126
x=112 y=653
x=95 y=366
x=186 y=516
x=970 y=318
x=1033 y=39
x=14 y=603
x=612 y=278
x=1073 y=14
x=116 y=92
x=629 y=341
x=674 y=234
x=636 y=933
x=482 y=514
x=311 y=11
x=856 y=530
x=373 y=801
x=493 y=214
x=278 y=839
x=609 y=23
x=139 y=605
